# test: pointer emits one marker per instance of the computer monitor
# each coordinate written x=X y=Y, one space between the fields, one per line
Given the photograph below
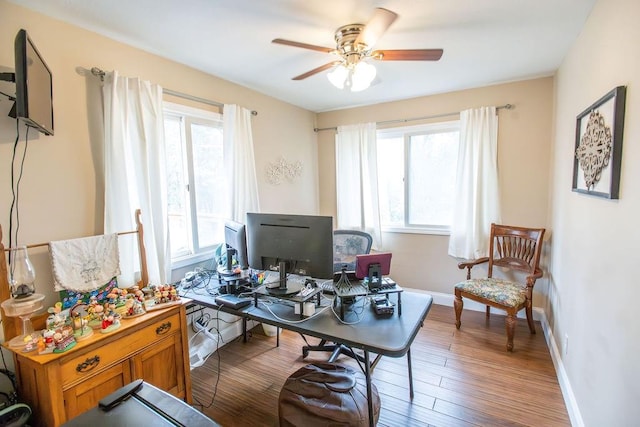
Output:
x=235 y=238
x=373 y=266
x=297 y=244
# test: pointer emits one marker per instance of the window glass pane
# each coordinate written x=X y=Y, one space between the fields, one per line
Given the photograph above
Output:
x=432 y=174
x=176 y=187
x=210 y=183
x=417 y=172
x=391 y=180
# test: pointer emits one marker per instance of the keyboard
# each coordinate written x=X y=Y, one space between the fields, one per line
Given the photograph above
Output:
x=232 y=301
x=387 y=283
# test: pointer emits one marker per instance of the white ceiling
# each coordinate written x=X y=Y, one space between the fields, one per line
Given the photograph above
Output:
x=485 y=41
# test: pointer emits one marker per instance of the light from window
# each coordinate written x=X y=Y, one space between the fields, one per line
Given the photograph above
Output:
x=210 y=183
x=416 y=176
x=177 y=197
x=197 y=185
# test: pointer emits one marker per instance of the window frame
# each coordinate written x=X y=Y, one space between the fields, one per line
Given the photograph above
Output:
x=188 y=116
x=406 y=133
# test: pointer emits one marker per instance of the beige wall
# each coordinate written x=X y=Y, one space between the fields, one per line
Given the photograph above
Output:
x=524 y=140
x=589 y=258
x=594 y=260
x=61 y=194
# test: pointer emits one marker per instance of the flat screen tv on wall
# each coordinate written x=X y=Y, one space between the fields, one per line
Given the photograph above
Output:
x=34 y=86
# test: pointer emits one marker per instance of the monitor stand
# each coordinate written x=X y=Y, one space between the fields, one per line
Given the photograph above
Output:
x=228 y=269
x=285 y=288
x=231 y=275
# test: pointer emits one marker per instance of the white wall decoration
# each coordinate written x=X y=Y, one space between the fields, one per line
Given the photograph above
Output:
x=282 y=170
x=598 y=150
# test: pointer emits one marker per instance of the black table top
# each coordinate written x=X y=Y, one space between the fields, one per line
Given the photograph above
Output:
x=385 y=335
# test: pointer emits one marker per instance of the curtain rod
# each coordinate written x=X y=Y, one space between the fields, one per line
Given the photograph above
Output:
x=101 y=73
x=386 y=122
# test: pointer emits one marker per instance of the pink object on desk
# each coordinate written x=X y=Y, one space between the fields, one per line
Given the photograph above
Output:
x=364 y=261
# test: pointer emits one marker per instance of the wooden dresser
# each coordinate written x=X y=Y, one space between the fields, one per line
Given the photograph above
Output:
x=153 y=347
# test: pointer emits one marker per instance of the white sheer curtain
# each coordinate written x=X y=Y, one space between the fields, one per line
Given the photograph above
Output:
x=238 y=153
x=135 y=172
x=357 y=180
x=477 y=196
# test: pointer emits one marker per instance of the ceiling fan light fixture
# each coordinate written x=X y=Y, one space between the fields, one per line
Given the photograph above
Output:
x=356 y=78
x=354 y=46
x=362 y=76
x=338 y=76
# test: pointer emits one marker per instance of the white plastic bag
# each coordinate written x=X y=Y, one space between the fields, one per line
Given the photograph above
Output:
x=201 y=345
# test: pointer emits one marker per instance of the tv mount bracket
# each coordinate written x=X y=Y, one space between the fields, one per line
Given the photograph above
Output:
x=9 y=77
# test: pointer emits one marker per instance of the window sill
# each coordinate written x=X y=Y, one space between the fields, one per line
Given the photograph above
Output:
x=191 y=259
x=409 y=230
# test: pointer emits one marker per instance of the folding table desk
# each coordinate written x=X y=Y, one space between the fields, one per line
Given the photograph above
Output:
x=385 y=336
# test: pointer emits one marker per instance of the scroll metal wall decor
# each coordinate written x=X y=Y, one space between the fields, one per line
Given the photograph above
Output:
x=598 y=150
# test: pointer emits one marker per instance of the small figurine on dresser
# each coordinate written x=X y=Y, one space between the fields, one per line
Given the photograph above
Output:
x=46 y=344
x=133 y=306
x=149 y=297
x=111 y=319
x=58 y=337
x=57 y=317
x=80 y=319
x=137 y=293
x=31 y=342
x=63 y=339
x=95 y=312
x=157 y=297
x=118 y=296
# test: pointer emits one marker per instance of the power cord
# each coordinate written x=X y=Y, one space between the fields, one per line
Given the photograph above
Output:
x=267 y=303
x=358 y=313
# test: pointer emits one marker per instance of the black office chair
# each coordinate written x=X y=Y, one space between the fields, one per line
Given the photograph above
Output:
x=346 y=245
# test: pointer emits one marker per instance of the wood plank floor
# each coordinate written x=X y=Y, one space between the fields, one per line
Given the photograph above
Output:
x=461 y=378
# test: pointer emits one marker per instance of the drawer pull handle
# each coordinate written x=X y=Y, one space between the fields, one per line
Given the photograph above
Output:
x=88 y=364
x=163 y=329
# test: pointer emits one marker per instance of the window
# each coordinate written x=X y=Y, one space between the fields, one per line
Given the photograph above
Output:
x=196 y=181
x=416 y=176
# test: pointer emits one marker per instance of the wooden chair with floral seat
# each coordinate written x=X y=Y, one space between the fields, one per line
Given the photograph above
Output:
x=513 y=248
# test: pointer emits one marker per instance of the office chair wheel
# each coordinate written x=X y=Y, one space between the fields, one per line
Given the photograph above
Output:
x=305 y=352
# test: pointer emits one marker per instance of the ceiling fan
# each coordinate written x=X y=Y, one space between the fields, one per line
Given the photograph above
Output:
x=354 y=46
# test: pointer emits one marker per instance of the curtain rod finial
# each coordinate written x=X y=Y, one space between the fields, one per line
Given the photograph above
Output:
x=98 y=72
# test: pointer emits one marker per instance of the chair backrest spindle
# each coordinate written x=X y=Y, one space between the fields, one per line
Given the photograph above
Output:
x=515 y=247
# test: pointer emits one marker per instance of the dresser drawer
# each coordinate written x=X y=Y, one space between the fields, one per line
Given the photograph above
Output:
x=95 y=359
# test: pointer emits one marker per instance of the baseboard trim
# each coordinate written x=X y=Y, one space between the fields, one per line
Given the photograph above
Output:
x=447 y=299
x=563 y=379
x=538 y=314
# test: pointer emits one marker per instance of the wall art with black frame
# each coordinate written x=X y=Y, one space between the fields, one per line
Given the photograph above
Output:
x=598 y=150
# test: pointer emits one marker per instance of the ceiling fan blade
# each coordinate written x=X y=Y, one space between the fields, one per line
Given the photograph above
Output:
x=408 y=55
x=375 y=28
x=303 y=45
x=316 y=70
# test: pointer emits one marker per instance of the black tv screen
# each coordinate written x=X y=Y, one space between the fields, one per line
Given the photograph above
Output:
x=34 y=86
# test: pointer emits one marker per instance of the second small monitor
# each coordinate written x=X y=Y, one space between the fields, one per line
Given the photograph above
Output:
x=235 y=237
